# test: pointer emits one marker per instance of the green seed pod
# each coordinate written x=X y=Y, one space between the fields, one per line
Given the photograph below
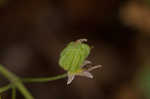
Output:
x=73 y=56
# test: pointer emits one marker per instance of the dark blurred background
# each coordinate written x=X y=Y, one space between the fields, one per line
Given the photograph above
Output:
x=33 y=33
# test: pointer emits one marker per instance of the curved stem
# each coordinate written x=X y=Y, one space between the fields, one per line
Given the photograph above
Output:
x=5 y=88
x=15 y=81
x=44 y=79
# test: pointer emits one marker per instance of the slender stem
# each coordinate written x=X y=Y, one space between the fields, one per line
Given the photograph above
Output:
x=16 y=82
x=5 y=88
x=44 y=79
x=13 y=92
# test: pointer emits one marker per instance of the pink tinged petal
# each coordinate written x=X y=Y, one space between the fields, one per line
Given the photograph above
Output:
x=85 y=74
x=70 y=78
x=94 y=67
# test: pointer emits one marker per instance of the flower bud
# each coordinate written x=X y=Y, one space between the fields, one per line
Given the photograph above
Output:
x=73 y=56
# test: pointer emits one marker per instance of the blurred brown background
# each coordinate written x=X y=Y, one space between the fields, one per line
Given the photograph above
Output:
x=33 y=32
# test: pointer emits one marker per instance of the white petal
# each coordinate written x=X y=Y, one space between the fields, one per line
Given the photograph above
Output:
x=86 y=62
x=70 y=78
x=86 y=74
x=94 y=67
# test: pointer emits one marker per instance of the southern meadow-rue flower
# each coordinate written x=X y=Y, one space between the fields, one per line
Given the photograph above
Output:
x=73 y=59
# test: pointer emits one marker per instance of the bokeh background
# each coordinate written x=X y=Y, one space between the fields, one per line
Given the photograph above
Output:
x=33 y=33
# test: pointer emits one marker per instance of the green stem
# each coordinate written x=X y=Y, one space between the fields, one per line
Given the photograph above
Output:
x=16 y=82
x=44 y=79
x=5 y=88
x=13 y=92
